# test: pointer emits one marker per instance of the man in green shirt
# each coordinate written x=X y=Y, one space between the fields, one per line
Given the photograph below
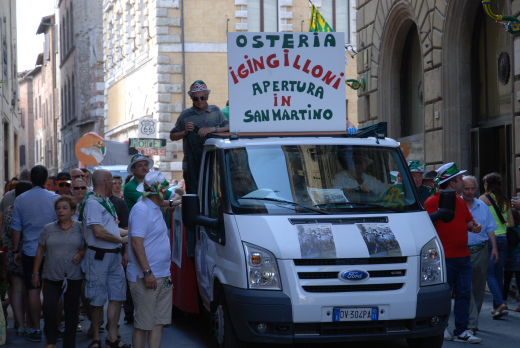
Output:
x=139 y=166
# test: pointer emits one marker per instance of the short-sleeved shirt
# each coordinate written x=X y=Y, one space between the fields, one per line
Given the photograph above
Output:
x=225 y=111
x=96 y=214
x=482 y=215
x=454 y=234
x=121 y=210
x=32 y=211
x=130 y=193
x=60 y=248
x=147 y=222
x=7 y=200
x=345 y=180
x=211 y=117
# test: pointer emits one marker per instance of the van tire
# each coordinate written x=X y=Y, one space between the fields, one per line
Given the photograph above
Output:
x=221 y=325
x=426 y=342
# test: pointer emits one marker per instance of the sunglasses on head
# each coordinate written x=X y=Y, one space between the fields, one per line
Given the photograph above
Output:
x=62 y=184
x=80 y=188
x=195 y=99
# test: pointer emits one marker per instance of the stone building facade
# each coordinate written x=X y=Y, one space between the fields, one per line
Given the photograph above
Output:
x=9 y=100
x=26 y=130
x=44 y=103
x=154 y=50
x=81 y=87
x=444 y=75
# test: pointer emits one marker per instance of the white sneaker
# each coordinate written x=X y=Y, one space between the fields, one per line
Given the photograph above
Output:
x=468 y=336
x=447 y=335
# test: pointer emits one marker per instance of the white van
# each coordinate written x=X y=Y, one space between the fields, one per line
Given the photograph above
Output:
x=307 y=239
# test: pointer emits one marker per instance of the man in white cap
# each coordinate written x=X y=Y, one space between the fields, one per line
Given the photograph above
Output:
x=417 y=169
x=139 y=166
x=208 y=118
x=454 y=239
x=148 y=270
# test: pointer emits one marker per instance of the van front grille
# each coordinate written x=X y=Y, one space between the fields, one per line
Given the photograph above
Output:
x=333 y=275
x=352 y=288
x=350 y=262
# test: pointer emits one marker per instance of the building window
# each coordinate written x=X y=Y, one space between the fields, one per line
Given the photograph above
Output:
x=22 y=117
x=73 y=98
x=67 y=30
x=35 y=108
x=62 y=38
x=22 y=155
x=71 y=26
x=411 y=86
x=69 y=109
x=337 y=13
x=65 y=103
x=262 y=15
x=62 y=109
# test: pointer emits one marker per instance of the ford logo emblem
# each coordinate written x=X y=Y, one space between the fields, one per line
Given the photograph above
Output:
x=353 y=275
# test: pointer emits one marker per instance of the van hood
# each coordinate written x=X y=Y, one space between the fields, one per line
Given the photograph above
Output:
x=341 y=236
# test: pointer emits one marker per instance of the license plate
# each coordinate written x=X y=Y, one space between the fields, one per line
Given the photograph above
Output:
x=355 y=314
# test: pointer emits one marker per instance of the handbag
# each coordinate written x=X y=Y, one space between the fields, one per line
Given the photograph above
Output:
x=513 y=239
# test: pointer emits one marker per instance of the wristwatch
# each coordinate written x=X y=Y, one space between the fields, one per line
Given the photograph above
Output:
x=147 y=272
x=215 y=128
x=171 y=203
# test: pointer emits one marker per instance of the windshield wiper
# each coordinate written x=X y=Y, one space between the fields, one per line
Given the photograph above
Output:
x=360 y=204
x=287 y=202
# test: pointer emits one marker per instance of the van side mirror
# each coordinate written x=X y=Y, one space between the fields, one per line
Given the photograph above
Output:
x=446 y=211
x=191 y=217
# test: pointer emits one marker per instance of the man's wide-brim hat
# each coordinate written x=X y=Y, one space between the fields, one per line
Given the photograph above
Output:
x=416 y=167
x=448 y=171
x=198 y=86
x=138 y=158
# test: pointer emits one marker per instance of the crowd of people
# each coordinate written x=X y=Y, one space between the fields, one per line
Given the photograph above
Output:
x=79 y=240
x=476 y=246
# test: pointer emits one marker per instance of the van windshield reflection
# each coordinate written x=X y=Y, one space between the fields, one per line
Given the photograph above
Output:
x=287 y=179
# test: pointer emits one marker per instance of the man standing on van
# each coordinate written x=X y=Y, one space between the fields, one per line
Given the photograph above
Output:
x=208 y=118
x=477 y=246
x=454 y=239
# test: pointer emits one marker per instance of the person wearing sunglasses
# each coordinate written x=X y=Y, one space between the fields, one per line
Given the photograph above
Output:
x=64 y=181
x=79 y=188
x=206 y=118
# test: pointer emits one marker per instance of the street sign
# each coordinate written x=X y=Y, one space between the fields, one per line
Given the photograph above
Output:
x=147 y=128
x=286 y=82
x=147 y=147
x=90 y=149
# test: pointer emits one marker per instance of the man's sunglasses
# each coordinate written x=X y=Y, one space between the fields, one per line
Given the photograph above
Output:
x=80 y=188
x=63 y=184
x=196 y=99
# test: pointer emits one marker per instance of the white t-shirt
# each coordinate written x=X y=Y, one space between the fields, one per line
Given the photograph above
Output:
x=146 y=221
x=96 y=214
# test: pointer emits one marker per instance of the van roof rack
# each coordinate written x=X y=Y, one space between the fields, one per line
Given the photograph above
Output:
x=378 y=130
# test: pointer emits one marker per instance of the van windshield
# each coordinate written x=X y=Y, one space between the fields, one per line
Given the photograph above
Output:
x=300 y=179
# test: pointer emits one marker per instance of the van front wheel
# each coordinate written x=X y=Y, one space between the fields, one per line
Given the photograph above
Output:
x=426 y=342
x=222 y=327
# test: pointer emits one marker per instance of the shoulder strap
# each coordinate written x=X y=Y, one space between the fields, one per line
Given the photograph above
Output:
x=499 y=214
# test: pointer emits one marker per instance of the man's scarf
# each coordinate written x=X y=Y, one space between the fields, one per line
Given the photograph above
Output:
x=155 y=188
x=106 y=203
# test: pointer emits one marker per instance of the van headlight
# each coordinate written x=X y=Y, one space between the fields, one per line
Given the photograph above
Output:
x=262 y=271
x=431 y=263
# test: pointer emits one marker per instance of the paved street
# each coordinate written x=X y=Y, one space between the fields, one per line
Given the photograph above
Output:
x=192 y=331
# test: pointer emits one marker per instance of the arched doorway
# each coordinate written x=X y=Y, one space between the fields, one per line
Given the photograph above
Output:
x=477 y=105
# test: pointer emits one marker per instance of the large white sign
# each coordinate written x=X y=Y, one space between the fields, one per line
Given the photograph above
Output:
x=286 y=82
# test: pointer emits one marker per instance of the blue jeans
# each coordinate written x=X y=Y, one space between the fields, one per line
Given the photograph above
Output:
x=495 y=275
x=460 y=272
